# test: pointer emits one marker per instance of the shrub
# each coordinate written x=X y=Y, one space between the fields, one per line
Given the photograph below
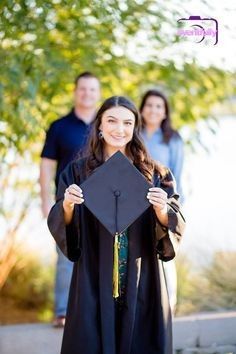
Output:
x=30 y=286
x=211 y=288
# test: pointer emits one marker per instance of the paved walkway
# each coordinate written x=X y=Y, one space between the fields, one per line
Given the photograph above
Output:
x=200 y=334
x=30 y=339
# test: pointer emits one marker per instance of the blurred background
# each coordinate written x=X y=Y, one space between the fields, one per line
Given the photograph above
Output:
x=131 y=46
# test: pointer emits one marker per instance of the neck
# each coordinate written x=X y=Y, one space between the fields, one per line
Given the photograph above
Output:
x=85 y=114
x=109 y=151
x=151 y=129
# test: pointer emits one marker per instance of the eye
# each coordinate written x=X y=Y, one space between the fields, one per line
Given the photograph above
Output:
x=111 y=120
x=128 y=123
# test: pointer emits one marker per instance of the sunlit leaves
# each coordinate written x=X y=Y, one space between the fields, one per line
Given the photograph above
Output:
x=45 y=44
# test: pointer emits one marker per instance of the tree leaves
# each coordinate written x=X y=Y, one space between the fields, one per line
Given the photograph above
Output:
x=45 y=44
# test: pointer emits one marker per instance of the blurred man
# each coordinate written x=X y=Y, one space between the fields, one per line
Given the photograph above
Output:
x=65 y=138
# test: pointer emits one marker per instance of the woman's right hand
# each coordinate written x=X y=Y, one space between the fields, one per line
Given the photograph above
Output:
x=73 y=195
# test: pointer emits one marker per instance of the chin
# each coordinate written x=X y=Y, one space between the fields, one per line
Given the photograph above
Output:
x=117 y=144
x=152 y=121
x=89 y=104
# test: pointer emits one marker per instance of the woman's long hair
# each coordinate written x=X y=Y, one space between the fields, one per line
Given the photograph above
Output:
x=135 y=149
x=166 y=124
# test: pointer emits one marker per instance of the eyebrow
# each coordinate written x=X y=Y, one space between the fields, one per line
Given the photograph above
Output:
x=126 y=120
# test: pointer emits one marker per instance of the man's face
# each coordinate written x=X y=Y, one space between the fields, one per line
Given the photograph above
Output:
x=87 y=92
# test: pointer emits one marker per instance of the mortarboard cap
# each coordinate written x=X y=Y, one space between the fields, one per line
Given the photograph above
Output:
x=116 y=193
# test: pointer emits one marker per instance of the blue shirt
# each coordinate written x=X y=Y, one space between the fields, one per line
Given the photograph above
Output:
x=65 y=138
x=169 y=154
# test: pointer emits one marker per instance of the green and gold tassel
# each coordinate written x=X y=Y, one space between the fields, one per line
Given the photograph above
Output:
x=116 y=267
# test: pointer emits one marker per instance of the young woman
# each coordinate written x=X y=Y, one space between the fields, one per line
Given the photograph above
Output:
x=164 y=144
x=144 y=318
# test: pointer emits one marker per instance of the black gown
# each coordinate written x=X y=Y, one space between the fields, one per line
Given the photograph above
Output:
x=90 y=322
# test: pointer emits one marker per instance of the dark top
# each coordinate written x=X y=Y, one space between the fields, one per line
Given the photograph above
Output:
x=90 y=328
x=65 y=138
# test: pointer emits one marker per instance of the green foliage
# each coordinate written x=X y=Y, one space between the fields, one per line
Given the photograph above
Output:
x=45 y=44
x=221 y=281
x=212 y=288
x=30 y=284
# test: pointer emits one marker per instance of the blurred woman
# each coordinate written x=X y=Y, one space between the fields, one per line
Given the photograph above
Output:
x=165 y=145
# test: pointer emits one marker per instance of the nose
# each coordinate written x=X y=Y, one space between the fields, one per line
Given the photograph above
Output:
x=86 y=91
x=120 y=128
x=154 y=110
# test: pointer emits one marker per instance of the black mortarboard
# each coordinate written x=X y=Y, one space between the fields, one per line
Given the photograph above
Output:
x=116 y=193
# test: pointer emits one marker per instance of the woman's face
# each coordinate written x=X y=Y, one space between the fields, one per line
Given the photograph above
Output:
x=117 y=126
x=154 y=111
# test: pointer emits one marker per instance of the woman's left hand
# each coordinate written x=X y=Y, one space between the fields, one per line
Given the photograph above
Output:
x=158 y=198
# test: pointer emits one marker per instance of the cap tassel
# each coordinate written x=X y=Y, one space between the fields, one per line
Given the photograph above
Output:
x=116 y=267
x=116 y=276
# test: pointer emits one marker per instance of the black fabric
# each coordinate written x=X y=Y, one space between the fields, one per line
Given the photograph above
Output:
x=65 y=138
x=92 y=326
x=116 y=193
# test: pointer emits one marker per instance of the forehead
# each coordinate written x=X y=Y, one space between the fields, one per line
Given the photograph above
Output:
x=155 y=100
x=88 y=82
x=119 y=113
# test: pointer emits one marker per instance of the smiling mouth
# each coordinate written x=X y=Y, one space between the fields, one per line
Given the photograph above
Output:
x=118 y=137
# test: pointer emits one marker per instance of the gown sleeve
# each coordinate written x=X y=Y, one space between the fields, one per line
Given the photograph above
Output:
x=168 y=238
x=67 y=237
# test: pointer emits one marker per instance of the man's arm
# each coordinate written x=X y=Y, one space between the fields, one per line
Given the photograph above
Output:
x=46 y=178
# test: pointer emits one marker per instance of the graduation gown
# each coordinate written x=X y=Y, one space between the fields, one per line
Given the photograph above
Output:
x=90 y=322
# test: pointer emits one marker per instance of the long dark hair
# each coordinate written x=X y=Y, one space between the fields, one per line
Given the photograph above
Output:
x=135 y=149
x=166 y=124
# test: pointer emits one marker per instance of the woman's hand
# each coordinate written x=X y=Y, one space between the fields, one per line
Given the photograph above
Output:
x=158 y=198
x=73 y=195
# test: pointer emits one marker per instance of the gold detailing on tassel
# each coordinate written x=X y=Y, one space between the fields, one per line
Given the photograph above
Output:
x=116 y=267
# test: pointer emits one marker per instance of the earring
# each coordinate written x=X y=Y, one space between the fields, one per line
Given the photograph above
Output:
x=100 y=135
